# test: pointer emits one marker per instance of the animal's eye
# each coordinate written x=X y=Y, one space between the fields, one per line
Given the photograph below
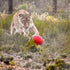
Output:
x=20 y=15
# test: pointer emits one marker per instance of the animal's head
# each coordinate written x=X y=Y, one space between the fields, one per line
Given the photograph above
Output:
x=25 y=19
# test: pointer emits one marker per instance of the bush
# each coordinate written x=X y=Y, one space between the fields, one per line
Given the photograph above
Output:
x=5 y=59
x=52 y=19
x=60 y=63
x=2 y=58
x=40 y=25
x=5 y=48
x=12 y=48
x=11 y=63
x=9 y=58
x=30 y=45
x=23 y=6
x=5 y=23
x=64 y=55
x=12 y=43
x=51 y=67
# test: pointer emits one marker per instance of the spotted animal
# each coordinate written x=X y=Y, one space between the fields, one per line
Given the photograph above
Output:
x=22 y=23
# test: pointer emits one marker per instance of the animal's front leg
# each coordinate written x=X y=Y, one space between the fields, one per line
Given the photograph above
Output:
x=27 y=31
x=34 y=29
x=16 y=31
x=24 y=33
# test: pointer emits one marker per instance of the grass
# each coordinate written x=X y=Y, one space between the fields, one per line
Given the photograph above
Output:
x=40 y=25
x=5 y=22
x=55 y=34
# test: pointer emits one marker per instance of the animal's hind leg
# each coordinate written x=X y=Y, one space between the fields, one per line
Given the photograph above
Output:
x=12 y=28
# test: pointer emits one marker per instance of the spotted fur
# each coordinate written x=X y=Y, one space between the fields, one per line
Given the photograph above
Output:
x=22 y=22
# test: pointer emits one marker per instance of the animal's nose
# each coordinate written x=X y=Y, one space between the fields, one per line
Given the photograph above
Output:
x=26 y=27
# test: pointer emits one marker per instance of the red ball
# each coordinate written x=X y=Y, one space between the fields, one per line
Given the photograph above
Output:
x=38 y=39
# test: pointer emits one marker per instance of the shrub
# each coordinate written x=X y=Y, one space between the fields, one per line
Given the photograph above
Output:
x=12 y=43
x=5 y=23
x=12 y=48
x=60 y=63
x=5 y=59
x=9 y=58
x=8 y=61
x=64 y=55
x=24 y=6
x=51 y=67
x=30 y=45
x=11 y=63
x=40 y=25
x=39 y=47
x=5 y=48
x=52 y=19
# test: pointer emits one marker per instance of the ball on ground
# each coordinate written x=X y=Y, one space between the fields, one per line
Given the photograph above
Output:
x=38 y=39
